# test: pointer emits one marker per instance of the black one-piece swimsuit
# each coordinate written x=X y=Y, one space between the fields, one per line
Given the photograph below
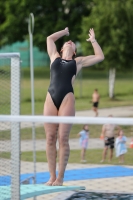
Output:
x=61 y=75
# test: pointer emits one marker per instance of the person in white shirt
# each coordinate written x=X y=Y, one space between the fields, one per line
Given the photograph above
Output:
x=120 y=146
x=83 y=140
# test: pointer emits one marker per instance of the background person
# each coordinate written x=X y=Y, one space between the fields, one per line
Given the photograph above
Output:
x=95 y=101
x=83 y=140
x=120 y=146
x=108 y=132
x=60 y=99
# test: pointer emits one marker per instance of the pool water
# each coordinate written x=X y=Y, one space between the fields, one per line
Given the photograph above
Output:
x=99 y=196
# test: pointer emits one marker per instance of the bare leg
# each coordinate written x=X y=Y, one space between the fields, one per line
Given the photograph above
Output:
x=83 y=151
x=121 y=158
x=51 y=137
x=67 y=109
x=111 y=155
x=104 y=154
x=95 y=110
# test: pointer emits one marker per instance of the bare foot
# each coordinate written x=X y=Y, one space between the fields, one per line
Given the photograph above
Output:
x=58 y=182
x=50 y=182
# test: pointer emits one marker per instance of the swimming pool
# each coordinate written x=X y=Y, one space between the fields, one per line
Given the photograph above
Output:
x=99 y=196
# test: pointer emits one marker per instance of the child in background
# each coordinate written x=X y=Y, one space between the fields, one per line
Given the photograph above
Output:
x=84 y=138
x=120 y=145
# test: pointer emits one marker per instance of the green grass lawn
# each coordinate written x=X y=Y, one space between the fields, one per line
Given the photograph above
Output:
x=95 y=131
x=83 y=89
x=123 y=94
x=93 y=156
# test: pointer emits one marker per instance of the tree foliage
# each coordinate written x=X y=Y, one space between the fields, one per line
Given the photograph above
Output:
x=112 y=22
x=50 y=16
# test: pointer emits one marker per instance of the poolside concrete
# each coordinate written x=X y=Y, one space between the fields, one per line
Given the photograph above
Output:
x=110 y=185
x=124 y=111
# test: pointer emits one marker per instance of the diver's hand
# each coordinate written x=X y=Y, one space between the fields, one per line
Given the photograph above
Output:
x=67 y=31
x=91 y=36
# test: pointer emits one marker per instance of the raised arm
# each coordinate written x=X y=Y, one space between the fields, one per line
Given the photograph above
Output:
x=98 y=56
x=51 y=47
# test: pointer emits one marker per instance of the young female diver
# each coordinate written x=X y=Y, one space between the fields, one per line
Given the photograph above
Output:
x=60 y=99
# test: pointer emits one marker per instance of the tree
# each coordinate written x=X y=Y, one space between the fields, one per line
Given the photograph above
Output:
x=2 y=20
x=50 y=16
x=112 y=22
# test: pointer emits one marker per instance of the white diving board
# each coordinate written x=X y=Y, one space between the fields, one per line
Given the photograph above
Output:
x=28 y=191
